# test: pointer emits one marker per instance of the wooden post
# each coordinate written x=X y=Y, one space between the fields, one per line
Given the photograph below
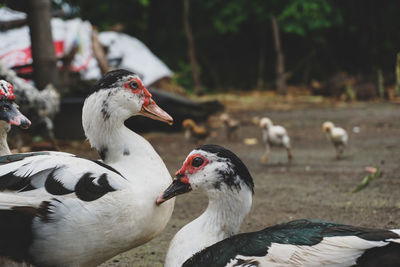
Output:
x=43 y=55
x=381 y=87
x=98 y=52
x=192 y=50
x=397 y=86
x=261 y=64
x=280 y=59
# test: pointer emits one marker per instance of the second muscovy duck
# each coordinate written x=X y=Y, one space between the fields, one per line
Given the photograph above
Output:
x=61 y=210
x=9 y=115
x=229 y=187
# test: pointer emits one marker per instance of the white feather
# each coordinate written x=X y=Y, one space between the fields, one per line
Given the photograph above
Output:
x=331 y=251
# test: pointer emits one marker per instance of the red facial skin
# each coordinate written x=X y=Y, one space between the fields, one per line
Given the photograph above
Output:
x=10 y=95
x=188 y=168
x=141 y=89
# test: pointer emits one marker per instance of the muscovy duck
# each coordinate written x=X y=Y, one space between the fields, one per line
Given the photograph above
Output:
x=338 y=136
x=41 y=106
x=274 y=135
x=9 y=115
x=61 y=210
x=209 y=240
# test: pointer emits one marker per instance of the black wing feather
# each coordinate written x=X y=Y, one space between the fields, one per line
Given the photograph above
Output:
x=88 y=187
x=87 y=190
x=54 y=186
x=299 y=232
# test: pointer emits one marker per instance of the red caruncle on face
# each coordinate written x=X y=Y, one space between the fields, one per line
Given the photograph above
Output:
x=137 y=87
x=190 y=167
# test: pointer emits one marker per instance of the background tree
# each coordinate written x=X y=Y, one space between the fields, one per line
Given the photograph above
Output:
x=43 y=54
x=235 y=43
x=191 y=48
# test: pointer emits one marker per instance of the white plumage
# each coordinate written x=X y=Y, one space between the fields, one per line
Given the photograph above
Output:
x=230 y=198
x=274 y=135
x=228 y=185
x=334 y=251
x=83 y=212
x=338 y=136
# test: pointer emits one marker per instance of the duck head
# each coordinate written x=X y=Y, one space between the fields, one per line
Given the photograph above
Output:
x=9 y=112
x=327 y=126
x=125 y=95
x=265 y=123
x=214 y=170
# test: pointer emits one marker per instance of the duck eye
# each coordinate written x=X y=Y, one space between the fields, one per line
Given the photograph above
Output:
x=197 y=162
x=134 y=85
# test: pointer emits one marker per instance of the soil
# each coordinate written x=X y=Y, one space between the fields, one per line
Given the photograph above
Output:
x=313 y=185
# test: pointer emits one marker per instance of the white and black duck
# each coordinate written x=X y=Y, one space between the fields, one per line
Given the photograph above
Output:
x=57 y=209
x=9 y=115
x=209 y=240
x=41 y=106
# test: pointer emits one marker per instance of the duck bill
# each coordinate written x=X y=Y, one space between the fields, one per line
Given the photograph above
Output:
x=179 y=186
x=153 y=111
x=15 y=117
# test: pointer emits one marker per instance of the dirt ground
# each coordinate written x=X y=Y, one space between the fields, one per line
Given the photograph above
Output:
x=313 y=185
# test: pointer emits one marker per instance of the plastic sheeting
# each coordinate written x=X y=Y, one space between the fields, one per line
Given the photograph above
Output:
x=129 y=53
x=124 y=51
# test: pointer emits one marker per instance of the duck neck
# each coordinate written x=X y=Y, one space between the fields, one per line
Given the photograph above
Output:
x=222 y=218
x=225 y=212
x=105 y=129
x=4 y=129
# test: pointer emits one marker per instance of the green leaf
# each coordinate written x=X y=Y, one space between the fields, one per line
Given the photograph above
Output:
x=367 y=179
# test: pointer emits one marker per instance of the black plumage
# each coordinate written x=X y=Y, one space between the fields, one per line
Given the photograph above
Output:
x=238 y=167
x=54 y=186
x=16 y=232
x=111 y=78
x=300 y=233
x=87 y=190
x=87 y=186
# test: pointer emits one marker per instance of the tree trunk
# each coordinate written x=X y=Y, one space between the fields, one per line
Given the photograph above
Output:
x=261 y=64
x=44 y=59
x=280 y=59
x=381 y=84
x=192 y=50
x=397 y=86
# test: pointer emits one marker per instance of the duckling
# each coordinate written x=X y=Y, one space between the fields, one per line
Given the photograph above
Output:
x=274 y=135
x=338 y=136
x=231 y=126
x=194 y=132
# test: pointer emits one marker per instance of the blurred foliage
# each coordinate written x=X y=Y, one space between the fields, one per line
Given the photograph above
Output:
x=183 y=76
x=319 y=37
x=302 y=16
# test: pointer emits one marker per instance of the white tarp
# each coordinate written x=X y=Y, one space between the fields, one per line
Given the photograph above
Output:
x=134 y=56
x=131 y=54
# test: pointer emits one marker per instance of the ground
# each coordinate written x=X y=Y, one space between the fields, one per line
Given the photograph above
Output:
x=313 y=185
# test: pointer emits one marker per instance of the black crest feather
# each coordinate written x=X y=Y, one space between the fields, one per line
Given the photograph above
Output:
x=110 y=78
x=238 y=165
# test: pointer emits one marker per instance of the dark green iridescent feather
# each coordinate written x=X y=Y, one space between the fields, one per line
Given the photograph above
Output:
x=299 y=232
